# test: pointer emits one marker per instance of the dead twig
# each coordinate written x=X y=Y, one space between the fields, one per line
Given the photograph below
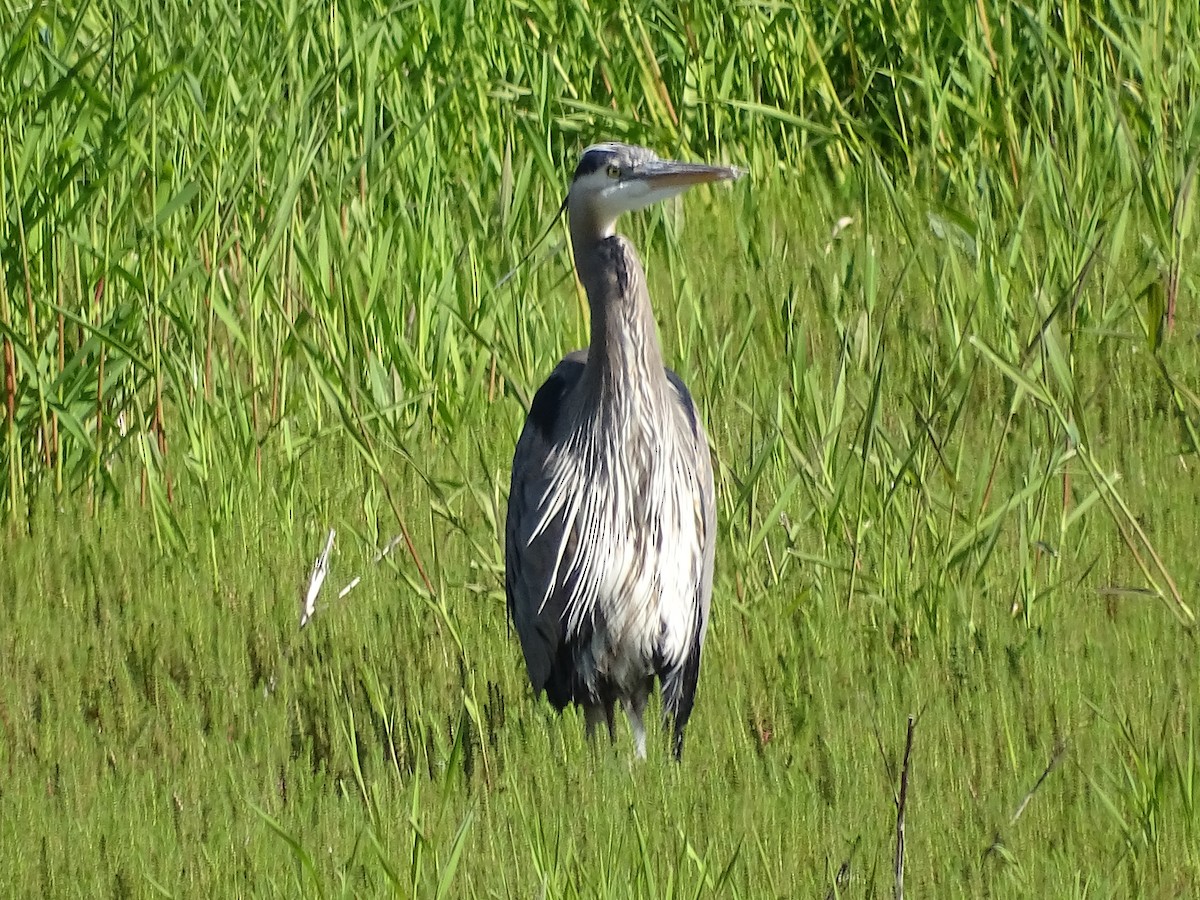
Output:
x=321 y=568
x=901 y=803
x=315 y=580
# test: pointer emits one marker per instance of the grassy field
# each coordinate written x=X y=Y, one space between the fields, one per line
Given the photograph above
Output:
x=944 y=338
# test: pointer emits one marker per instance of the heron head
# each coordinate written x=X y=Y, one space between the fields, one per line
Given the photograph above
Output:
x=615 y=178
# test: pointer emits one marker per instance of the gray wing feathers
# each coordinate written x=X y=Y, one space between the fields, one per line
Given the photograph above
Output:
x=707 y=511
x=680 y=687
x=536 y=604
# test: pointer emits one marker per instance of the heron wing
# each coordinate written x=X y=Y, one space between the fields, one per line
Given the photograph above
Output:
x=679 y=684
x=705 y=499
x=535 y=541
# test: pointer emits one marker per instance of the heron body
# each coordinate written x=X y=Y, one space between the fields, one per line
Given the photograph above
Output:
x=611 y=517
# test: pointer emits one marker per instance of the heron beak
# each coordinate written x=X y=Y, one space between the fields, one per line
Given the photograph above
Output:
x=666 y=174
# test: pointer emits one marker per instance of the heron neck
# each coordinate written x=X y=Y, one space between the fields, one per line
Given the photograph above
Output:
x=624 y=339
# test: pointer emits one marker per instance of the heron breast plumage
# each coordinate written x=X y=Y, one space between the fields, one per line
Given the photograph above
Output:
x=619 y=513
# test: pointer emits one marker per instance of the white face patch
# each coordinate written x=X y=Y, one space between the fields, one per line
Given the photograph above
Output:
x=608 y=197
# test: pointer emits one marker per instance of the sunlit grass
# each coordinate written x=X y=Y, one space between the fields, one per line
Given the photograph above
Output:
x=254 y=263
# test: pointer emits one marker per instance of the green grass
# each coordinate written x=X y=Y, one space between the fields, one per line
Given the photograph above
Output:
x=944 y=341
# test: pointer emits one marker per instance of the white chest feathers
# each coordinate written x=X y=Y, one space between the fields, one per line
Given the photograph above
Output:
x=626 y=508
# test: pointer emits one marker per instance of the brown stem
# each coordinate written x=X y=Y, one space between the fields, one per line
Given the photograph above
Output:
x=901 y=802
x=10 y=383
x=97 y=297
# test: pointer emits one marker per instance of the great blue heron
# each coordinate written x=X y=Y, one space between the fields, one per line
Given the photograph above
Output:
x=611 y=516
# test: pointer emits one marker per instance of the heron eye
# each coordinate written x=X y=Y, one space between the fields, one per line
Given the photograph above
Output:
x=614 y=171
